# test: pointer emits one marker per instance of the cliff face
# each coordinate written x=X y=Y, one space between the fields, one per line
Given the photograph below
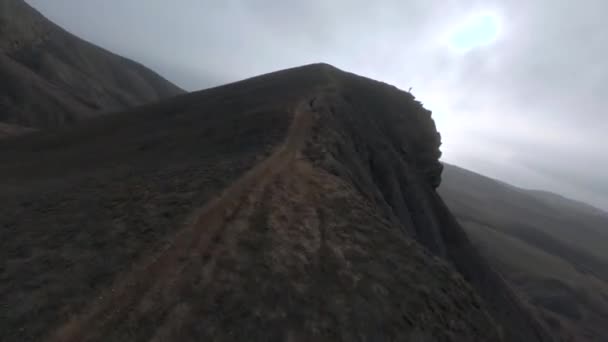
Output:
x=298 y=205
x=385 y=143
x=48 y=77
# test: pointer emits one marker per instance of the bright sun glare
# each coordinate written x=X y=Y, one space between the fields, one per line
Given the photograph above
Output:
x=479 y=30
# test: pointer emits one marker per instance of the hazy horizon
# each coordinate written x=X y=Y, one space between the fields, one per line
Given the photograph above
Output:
x=516 y=88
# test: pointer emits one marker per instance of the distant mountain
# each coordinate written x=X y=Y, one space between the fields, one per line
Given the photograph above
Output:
x=574 y=207
x=294 y=206
x=49 y=77
x=552 y=250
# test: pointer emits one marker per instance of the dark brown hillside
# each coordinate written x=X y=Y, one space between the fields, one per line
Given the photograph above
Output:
x=550 y=249
x=392 y=158
x=8 y=130
x=297 y=205
x=49 y=77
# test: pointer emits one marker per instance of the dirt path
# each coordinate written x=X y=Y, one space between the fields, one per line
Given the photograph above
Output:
x=148 y=282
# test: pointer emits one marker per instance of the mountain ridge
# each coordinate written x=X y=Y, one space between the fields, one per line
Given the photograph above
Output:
x=347 y=239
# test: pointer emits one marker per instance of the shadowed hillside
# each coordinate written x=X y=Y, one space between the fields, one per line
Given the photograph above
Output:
x=8 y=130
x=298 y=205
x=551 y=249
x=48 y=77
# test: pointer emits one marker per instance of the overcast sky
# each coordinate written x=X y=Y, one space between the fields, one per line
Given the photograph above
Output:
x=519 y=89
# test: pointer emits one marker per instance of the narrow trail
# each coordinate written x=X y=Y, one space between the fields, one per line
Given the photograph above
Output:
x=154 y=280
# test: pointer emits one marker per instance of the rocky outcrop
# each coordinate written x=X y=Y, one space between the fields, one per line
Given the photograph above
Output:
x=385 y=143
x=49 y=77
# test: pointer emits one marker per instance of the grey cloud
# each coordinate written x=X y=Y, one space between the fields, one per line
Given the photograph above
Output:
x=530 y=109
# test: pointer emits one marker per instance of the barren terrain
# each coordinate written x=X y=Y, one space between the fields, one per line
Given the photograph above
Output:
x=297 y=205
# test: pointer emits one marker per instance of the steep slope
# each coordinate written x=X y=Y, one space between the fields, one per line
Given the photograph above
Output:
x=297 y=205
x=549 y=248
x=48 y=77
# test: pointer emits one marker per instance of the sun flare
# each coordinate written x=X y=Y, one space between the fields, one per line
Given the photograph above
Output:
x=478 y=30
